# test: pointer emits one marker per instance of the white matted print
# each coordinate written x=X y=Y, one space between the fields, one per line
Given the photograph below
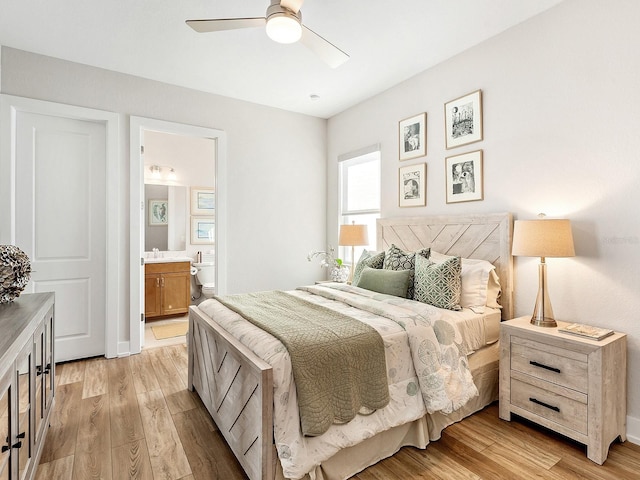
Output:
x=203 y=201
x=203 y=230
x=158 y=213
x=413 y=185
x=464 y=177
x=413 y=137
x=463 y=120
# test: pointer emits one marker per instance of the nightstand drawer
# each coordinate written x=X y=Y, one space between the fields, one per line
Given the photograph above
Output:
x=562 y=367
x=557 y=408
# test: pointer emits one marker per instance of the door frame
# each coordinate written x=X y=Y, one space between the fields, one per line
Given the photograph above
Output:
x=10 y=106
x=136 y=213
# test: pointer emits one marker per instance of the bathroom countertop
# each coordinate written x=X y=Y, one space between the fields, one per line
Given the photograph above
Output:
x=168 y=259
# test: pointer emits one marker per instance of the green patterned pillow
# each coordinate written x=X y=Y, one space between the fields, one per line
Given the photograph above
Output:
x=439 y=284
x=390 y=282
x=397 y=259
x=367 y=259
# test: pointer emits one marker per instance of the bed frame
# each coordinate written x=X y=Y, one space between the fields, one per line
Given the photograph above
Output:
x=236 y=386
x=482 y=236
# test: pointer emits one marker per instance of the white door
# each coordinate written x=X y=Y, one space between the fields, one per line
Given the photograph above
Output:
x=61 y=223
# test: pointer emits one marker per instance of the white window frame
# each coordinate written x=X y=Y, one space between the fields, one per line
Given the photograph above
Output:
x=346 y=214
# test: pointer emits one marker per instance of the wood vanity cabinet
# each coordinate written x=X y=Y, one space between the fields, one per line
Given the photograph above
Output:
x=26 y=382
x=167 y=288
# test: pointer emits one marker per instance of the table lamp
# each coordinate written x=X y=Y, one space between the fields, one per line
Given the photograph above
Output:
x=542 y=238
x=353 y=235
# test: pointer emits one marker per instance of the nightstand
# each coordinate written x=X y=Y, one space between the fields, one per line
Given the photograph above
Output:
x=569 y=384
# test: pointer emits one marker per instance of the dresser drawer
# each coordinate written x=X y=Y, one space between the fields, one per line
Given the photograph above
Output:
x=565 y=411
x=562 y=367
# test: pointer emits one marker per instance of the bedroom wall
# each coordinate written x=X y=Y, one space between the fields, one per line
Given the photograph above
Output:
x=276 y=164
x=560 y=96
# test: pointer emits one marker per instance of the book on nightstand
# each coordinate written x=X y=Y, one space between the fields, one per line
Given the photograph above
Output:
x=587 y=331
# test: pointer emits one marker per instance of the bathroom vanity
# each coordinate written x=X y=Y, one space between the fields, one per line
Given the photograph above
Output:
x=167 y=288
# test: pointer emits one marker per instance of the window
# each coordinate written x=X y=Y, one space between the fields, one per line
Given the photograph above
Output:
x=360 y=196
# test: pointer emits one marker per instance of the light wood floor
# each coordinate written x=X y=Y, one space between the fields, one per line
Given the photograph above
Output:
x=133 y=418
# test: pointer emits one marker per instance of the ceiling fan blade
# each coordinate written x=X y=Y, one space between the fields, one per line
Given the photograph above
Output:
x=293 y=5
x=217 y=25
x=332 y=55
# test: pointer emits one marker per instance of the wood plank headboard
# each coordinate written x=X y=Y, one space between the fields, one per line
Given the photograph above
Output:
x=483 y=236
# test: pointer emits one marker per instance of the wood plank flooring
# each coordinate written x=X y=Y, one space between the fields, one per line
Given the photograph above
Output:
x=133 y=418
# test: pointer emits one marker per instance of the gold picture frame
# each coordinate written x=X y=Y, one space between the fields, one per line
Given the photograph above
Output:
x=463 y=120
x=412 y=185
x=412 y=137
x=464 y=177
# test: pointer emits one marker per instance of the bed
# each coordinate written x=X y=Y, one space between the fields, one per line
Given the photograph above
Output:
x=245 y=394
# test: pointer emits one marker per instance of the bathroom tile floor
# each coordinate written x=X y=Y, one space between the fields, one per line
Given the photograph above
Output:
x=150 y=340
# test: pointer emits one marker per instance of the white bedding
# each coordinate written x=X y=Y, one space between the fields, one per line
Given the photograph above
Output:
x=298 y=454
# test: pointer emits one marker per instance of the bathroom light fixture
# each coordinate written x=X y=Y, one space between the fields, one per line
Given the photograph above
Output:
x=172 y=174
x=542 y=238
x=283 y=25
x=156 y=171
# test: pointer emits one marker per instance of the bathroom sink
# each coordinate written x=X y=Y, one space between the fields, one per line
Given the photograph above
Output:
x=168 y=259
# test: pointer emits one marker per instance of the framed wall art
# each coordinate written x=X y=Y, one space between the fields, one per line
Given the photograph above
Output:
x=413 y=185
x=203 y=230
x=463 y=120
x=464 y=177
x=158 y=213
x=203 y=201
x=413 y=137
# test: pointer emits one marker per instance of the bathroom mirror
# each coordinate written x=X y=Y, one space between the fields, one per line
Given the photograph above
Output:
x=166 y=211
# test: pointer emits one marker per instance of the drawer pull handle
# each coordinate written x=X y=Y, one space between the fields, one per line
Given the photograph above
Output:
x=550 y=407
x=546 y=367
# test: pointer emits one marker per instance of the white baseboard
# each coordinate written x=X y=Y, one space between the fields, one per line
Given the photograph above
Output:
x=633 y=430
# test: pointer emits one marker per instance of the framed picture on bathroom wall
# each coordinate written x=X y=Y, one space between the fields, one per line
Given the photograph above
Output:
x=203 y=230
x=203 y=201
x=158 y=213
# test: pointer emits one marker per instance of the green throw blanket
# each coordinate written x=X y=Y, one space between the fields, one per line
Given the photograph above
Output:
x=338 y=362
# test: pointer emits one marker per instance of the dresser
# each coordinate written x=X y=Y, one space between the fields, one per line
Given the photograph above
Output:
x=27 y=382
x=569 y=384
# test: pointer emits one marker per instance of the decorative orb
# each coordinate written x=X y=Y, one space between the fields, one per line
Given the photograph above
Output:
x=15 y=271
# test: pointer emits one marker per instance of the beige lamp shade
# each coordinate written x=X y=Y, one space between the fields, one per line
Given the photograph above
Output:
x=353 y=235
x=542 y=238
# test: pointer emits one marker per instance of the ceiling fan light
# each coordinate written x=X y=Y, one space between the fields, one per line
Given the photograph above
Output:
x=284 y=28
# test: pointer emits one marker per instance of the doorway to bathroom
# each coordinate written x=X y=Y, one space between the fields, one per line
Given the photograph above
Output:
x=170 y=163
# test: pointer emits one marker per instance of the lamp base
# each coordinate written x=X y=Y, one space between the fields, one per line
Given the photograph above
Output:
x=543 y=322
x=542 y=312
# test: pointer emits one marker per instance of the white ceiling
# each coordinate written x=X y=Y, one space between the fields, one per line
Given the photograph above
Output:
x=388 y=42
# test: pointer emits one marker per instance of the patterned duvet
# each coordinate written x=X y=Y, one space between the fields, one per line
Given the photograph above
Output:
x=427 y=369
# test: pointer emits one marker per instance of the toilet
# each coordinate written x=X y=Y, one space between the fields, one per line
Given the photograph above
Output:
x=206 y=274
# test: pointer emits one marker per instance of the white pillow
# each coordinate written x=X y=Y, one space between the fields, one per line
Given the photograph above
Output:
x=494 y=291
x=480 y=284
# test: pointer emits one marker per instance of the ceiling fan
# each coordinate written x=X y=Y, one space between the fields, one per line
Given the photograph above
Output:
x=284 y=25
